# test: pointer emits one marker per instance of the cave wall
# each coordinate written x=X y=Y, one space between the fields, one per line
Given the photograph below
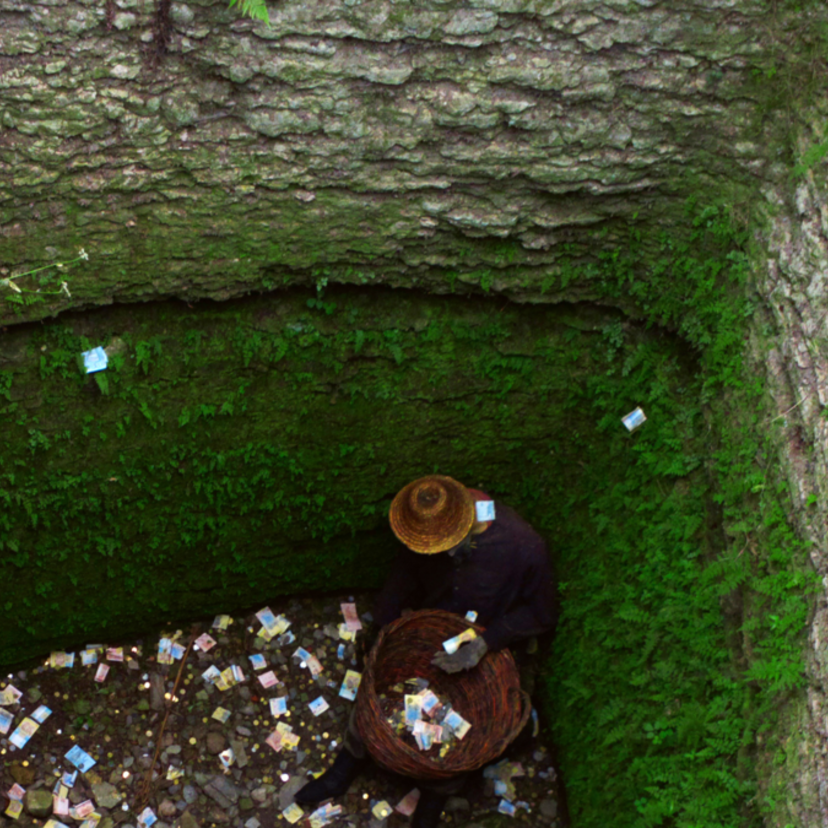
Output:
x=237 y=450
x=199 y=154
x=536 y=152
x=789 y=350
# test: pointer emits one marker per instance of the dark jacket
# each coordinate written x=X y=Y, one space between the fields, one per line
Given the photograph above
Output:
x=506 y=578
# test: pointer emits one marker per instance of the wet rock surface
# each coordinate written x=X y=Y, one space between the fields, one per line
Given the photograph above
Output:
x=210 y=764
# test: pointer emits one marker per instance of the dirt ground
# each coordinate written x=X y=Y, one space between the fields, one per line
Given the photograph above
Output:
x=118 y=721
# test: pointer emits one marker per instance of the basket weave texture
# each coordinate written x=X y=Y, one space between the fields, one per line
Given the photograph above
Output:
x=488 y=696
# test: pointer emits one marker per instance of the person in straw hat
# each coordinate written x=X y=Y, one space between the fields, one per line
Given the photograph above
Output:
x=462 y=552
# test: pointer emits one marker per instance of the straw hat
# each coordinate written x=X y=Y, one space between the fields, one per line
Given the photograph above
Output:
x=432 y=514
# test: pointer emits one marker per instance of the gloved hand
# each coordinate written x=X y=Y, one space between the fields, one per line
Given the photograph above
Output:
x=465 y=658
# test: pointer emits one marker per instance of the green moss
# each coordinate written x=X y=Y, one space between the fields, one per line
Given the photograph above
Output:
x=250 y=449
x=224 y=454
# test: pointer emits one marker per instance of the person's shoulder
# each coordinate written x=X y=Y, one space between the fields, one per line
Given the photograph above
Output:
x=507 y=520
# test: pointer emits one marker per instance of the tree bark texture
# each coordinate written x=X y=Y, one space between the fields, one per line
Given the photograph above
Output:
x=195 y=154
x=790 y=346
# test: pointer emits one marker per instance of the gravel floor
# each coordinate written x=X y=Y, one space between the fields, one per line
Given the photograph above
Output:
x=118 y=720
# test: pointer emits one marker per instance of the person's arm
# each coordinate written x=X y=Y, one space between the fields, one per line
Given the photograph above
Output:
x=536 y=610
x=400 y=591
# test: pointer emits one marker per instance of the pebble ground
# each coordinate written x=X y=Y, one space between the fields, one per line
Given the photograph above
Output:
x=118 y=722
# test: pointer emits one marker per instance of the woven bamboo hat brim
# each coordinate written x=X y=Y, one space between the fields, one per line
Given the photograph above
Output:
x=432 y=514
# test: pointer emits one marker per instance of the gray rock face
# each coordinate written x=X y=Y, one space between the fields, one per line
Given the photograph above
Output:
x=106 y=795
x=38 y=803
x=215 y=743
x=391 y=110
x=240 y=753
x=222 y=791
x=549 y=808
x=289 y=789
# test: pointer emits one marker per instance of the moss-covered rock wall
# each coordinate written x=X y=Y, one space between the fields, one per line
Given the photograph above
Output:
x=511 y=152
x=194 y=154
x=237 y=450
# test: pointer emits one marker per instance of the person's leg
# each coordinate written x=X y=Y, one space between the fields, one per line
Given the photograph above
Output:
x=433 y=796
x=353 y=740
x=339 y=776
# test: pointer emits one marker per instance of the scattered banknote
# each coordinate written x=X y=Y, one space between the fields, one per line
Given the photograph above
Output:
x=14 y=809
x=165 y=651
x=16 y=792
x=324 y=815
x=222 y=622
x=350 y=685
x=634 y=419
x=272 y=624
x=278 y=707
x=114 y=654
x=408 y=804
x=471 y=616
x=147 y=817
x=258 y=661
x=10 y=695
x=221 y=715
x=6 y=720
x=83 y=810
x=290 y=740
x=206 y=642
x=212 y=674
x=452 y=645
x=100 y=674
x=80 y=759
x=293 y=813
x=268 y=679
x=431 y=705
x=345 y=634
x=23 y=732
x=459 y=726
x=41 y=714
x=426 y=734
x=275 y=741
x=506 y=807
x=227 y=757
x=318 y=706
x=303 y=654
x=352 y=622
x=413 y=707
x=89 y=657
x=382 y=810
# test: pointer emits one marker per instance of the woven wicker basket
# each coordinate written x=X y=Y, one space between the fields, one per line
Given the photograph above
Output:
x=488 y=696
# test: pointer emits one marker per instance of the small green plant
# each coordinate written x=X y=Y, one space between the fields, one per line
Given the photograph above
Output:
x=26 y=295
x=254 y=9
